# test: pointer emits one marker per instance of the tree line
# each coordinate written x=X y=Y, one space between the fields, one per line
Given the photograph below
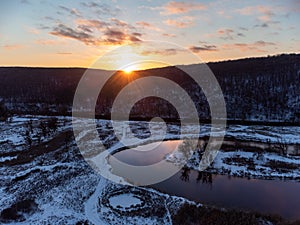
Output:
x=255 y=89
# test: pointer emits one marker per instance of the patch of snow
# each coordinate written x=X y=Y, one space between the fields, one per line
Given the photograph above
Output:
x=124 y=200
x=7 y=158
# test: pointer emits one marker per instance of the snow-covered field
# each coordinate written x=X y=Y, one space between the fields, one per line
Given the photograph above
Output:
x=246 y=164
x=44 y=178
x=49 y=182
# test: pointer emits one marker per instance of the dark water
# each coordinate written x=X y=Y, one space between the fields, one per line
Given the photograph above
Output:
x=265 y=196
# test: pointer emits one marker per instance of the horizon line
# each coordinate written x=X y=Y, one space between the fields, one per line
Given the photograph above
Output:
x=210 y=62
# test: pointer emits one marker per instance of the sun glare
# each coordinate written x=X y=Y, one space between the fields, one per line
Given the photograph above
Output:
x=129 y=69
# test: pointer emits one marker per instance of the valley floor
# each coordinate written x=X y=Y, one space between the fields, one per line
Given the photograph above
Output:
x=45 y=179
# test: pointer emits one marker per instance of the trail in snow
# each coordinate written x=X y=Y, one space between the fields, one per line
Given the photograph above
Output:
x=90 y=207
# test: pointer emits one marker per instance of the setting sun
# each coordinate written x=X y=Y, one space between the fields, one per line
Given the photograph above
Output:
x=130 y=69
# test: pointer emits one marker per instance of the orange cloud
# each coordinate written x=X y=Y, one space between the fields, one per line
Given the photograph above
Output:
x=115 y=37
x=12 y=47
x=169 y=35
x=119 y=23
x=182 y=22
x=64 y=53
x=45 y=42
x=266 y=12
x=148 y=26
x=89 y=25
x=181 y=7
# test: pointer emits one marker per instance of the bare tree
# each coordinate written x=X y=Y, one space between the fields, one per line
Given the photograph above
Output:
x=44 y=128
x=282 y=146
x=52 y=124
x=28 y=138
x=3 y=112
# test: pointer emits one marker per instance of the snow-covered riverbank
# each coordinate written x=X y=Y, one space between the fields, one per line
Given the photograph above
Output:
x=61 y=188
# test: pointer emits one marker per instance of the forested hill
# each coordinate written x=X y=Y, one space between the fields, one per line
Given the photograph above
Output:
x=261 y=88
x=255 y=89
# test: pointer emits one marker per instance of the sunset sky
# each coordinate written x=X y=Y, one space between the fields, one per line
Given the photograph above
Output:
x=75 y=33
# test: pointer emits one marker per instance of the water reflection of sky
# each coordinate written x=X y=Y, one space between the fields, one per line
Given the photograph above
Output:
x=267 y=196
x=139 y=157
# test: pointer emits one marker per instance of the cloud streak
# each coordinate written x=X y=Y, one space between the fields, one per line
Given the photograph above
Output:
x=64 y=53
x=226 y=34
x=109 y=35
x=181 y=7
x=90 y=24
x=244 y=47
x=162 y=52
x=101 y=9
x=118 y=37
x=264 y=14
x=204 y=48
x=64 y=31
x=147 y=25
x=45 y=42
x=12 y=47
x=72 y=12
x=182 y=22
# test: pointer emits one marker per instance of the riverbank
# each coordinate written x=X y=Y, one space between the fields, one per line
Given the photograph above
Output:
x=239 y=163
